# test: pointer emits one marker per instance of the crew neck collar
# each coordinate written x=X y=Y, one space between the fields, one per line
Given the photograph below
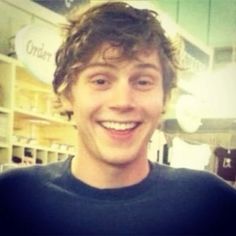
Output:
x=122 y=193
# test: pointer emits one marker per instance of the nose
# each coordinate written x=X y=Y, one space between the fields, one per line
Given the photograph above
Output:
x=122 y=97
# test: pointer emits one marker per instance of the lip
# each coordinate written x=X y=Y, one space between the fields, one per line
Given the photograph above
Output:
x=123 y=134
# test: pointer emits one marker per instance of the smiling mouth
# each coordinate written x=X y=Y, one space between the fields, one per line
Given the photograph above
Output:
x=119 y=126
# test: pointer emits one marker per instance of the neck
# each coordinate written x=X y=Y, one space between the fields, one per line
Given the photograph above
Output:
x=105 y=175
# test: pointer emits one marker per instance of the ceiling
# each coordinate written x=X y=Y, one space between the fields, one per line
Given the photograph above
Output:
x=213 y=22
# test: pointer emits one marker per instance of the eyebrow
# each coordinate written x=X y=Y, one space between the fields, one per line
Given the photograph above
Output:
x=148 y=65
x=98 y=64
x=139 y=66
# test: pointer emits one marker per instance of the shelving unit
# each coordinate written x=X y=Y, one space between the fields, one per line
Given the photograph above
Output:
x=31 y=132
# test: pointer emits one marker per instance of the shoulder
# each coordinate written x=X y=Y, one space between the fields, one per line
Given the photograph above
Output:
x=185 y=175
x=188 y=180
x=25 y=176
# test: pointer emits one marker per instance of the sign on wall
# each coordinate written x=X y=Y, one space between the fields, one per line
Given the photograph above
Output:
x=36 y=47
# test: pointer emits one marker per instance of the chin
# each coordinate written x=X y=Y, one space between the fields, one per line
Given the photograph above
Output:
x=121 y=159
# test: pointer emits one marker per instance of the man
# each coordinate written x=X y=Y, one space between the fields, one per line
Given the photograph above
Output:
x=114 y=72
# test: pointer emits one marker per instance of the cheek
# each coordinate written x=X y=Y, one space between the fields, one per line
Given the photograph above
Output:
x=156 y=111
x=85 y=107
x=153 y=104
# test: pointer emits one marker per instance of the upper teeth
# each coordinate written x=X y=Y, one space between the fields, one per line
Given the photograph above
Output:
x=119 y=125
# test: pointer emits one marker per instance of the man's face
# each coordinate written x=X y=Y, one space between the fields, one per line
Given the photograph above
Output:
x=117 y=105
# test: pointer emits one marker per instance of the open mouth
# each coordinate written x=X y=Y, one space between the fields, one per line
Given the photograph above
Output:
x=120 y=126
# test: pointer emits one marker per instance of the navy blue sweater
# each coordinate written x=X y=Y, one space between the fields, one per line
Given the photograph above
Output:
x=48 y=200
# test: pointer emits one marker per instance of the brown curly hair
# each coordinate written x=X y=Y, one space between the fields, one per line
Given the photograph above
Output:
x=121 y=25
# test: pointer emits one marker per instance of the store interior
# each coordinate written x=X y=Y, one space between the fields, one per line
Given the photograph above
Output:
x=199 y=126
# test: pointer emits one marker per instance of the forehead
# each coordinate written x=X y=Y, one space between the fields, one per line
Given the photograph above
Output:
x=111 y=54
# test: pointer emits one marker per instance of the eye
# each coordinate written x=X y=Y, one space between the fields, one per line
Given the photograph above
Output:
x=144 y=82
x=100 y=81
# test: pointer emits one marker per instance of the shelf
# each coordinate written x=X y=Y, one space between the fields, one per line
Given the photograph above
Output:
x=18 y=144
x=4 y=110
x=7 y=166
x=4 y=145
x=27 y=114
x=28 y=122
x=10 y=60
x=40 y=147
x=39 y=118
x=25 y=154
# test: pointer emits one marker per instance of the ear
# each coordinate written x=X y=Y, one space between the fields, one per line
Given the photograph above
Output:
x=66 y=103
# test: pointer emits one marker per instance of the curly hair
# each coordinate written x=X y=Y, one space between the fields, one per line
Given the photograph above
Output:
x=121 y=25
